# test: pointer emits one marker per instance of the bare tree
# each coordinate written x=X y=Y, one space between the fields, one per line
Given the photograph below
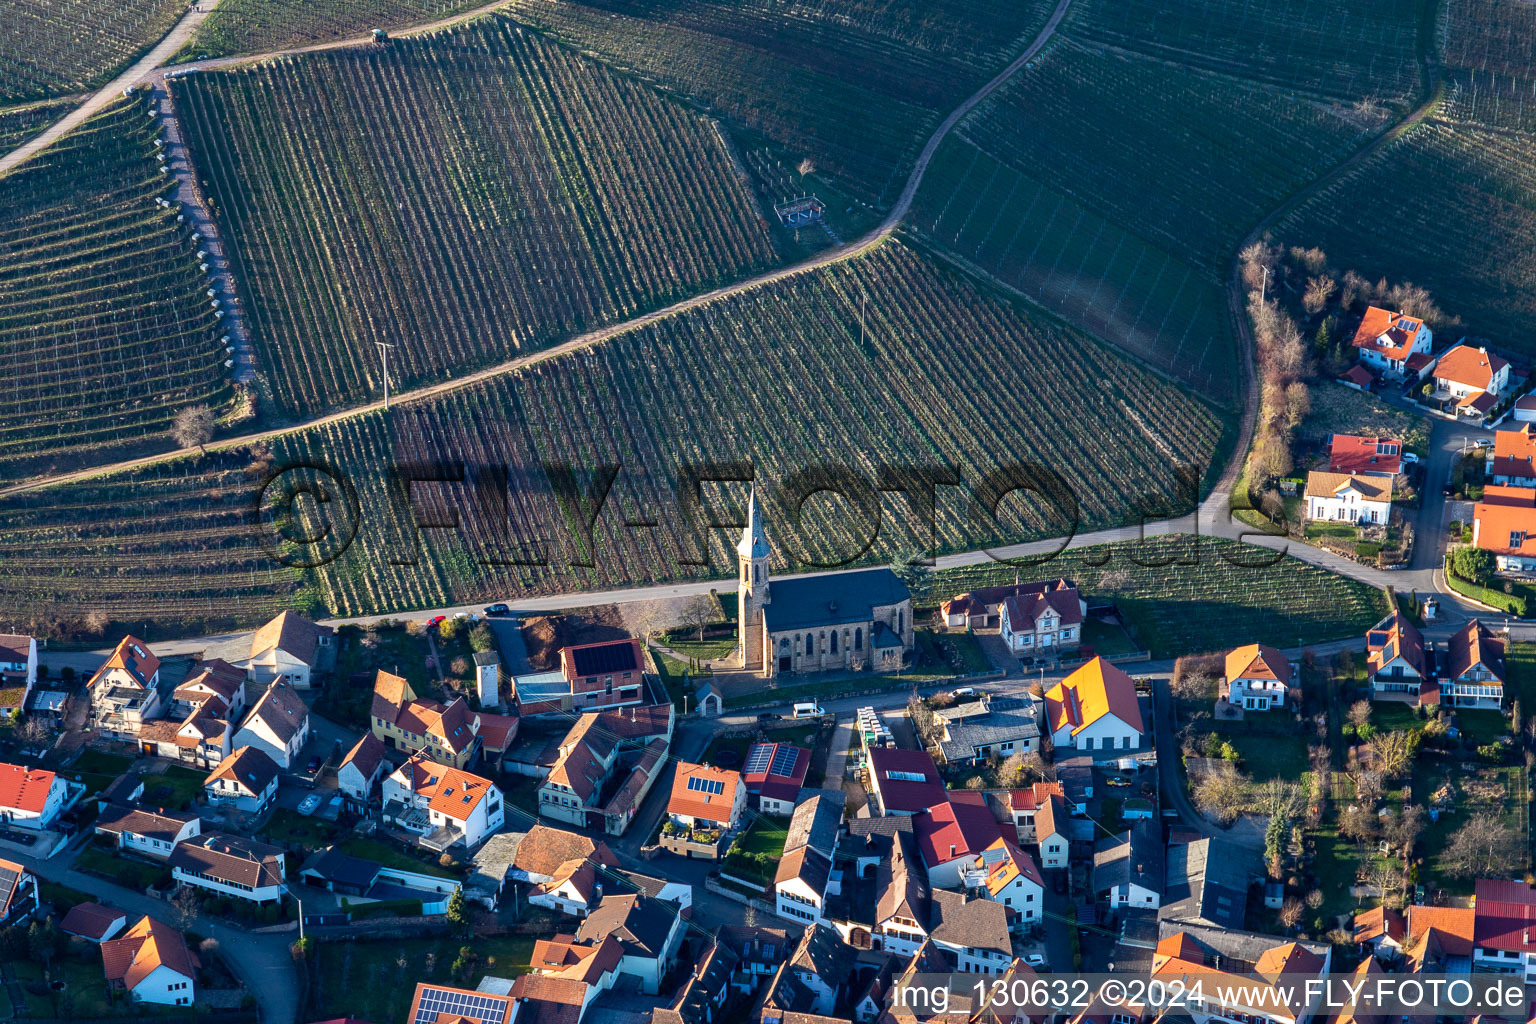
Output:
x=1290 y=912
x=1393 y=751
x=1483 y=846
x=647 y=618
x=697 y=614
x=184 y=904
x=806 y=167
x=193 y=426
x=1222 y=794
x=1319 y=291
x=1357 y=824
x=33 y=731
x=96 y=622
x=1404 y=829
x=1359 y=713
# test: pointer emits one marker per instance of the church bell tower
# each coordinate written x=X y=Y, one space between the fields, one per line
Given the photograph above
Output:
x=751 y=585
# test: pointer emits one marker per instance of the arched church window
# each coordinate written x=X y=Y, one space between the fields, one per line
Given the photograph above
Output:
x=833 y=648
x=756 y=575
x=858 y=639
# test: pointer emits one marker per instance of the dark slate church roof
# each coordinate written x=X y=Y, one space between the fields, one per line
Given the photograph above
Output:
x=832 y=600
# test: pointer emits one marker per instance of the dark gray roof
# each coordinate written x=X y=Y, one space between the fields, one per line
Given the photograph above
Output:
x=816 y=822
x=834 y=599
x=486 y=658
x=639 y=923
x=885 y=636
x=1208 y=881
x=880 y=825
x=331 y=865
x=966 y=734
x=980 y=924
x=1133 y=857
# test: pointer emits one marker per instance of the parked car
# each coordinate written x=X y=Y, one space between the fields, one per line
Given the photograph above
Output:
x=808 y=709
x=769 y=716
x=964 y=691
x=1483 y=442
x=1448 y=490
x=497 y=610
x=1118 y=781
x=313 y=765
x=1035 y=960
x=1410 y=458
x=437 y=620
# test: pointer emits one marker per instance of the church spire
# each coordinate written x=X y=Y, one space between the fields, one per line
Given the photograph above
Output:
x=754 y=540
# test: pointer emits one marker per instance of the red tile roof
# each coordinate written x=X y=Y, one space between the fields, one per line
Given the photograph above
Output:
x=142 y=949
x=25 y=789
x=1472 y=367
x=694 y=803
x=1472 y=645
x=1504 y=915
x=1504 y=529
x=1503 y=494
x=906 y=796
x=1258 y=661
x=1392 y=637
x=131 y=655
x=1359 y=375
x=91 y=920
x=1092 y=691
x=961 y=824
x=777 y=787
x=1353 y=454
x=1391 y=334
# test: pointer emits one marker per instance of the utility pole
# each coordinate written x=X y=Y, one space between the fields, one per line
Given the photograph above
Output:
x=384 y=351
x=1264 y=285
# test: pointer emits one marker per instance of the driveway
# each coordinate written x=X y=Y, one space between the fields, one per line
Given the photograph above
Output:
x=262 y=962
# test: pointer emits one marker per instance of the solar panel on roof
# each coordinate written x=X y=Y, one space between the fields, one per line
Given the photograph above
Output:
x=784 y=761
x=758 y=756
x=712 y=786
x=615 y=657
x=487 y=1009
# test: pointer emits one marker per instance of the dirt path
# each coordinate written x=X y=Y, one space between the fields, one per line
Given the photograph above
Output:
x=594 y=337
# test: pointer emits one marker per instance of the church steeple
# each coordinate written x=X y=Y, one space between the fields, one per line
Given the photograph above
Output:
x=751 y=583
x=754 y=542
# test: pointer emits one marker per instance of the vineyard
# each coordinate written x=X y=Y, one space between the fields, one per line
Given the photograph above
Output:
x=1451 y=208
x=18 y=124
x=1489 y=48
x=1051 y=187
x=264 y=26
x=56 y=48
x=463 y=197
x=1184 y=596
x=105 y=328
x=855 y=87
x=781 y=377
x=1359 y=50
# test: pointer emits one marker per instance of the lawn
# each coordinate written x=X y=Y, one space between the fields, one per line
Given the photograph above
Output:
x=292 y=828
x=688 y=645
x=98 y=762
x=176 y=789
x=801 y=736
x=367 y=980
x=1338 y=864
x=1481 y=726
x=755 y=854
x=1343 y=531
x=62 y=896
x=362 y=653
x=962 y=652
x=1337 y=409
x=1390 y=717
x=1268 y=754
x=120 y=868
x=85 y=992
x=671 y=670
x=391 y=857
x=1107 y=638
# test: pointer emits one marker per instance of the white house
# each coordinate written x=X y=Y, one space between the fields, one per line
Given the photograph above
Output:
x=1473 y=378
x=706 y=797
x=1340 y=498
x=291 y=649
x=1129 y=867
x=150 y=833
x=18 y=671
x=278 y=725
x=1014 y=881
x=152 y=963
x=974 y=932
x=125 y=691
x=246 y=780
x=230 y=866
x=31 y=797
x=1095 y=708
x=488 y=678
x=1043 y=622
x=1257 y=679
x=800 y=885
x=1393 y=344
x=443 y=805
x=361 y=770
x=648 y=932
x=1050 y=832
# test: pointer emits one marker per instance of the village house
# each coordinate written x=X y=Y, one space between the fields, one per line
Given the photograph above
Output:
x=1043 y=623
x=702 y=997
x=1351 y=455
x=1258 y=678
x=448 y=734
x=1095 y=708
x=604 y=675
x=1014 y=881
x=774 y=774
x=1381 y=930
x=150 y=833
x=952 y=834
x=1393 y=344
x=1340 y=498
x=291 y=649
x=1502 y=940
x=1439 y=939
x=1129 y=867
x=648 y=933
x=442 y=1004
x=209 y=680
x=93 y=922
x=848 y=621
x=125 y=691
x=278 y=725
x=1396 y=660
x=803 y=880
x=983 y=608
x=1471 y=670
x=245 y=780
x=230 y=865
x=202 y=739
x=1050 y=832
x=811 y=983
x=990 y=727
x=18 y=672
x=575 y=782
x=1472 y=379
x=579 y=789
x=1232 y=993
x=151 y=962
x=1512 y=462
x=1024 y=804
x=904 y=781
x=19 y=900
x=706 y=797
x=361 y=769
x=974 y=932
x=33 y=798
x=1507 y=530
x=443 y=805
x=1207 y=883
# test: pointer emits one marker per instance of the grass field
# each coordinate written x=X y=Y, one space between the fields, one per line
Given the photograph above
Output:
x=945 y=375
x=356 y=977
x=464 y=197
x=763 y=838
x=261 y=26
x=852 y=86
x=1353 y=51
x=105 y=331
x=1386 y=219
x=291 y=827
x=391 y=857
x=59 y=48
x=1337 y=409
x=1048 y=187
x=175 y=788
x=1183 y=597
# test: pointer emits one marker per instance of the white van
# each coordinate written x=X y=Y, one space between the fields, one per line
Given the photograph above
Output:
x=808 y=709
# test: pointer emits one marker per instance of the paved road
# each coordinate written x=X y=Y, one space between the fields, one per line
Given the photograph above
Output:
x=262 y=962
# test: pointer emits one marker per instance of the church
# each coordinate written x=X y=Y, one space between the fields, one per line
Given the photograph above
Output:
x=847 y=621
